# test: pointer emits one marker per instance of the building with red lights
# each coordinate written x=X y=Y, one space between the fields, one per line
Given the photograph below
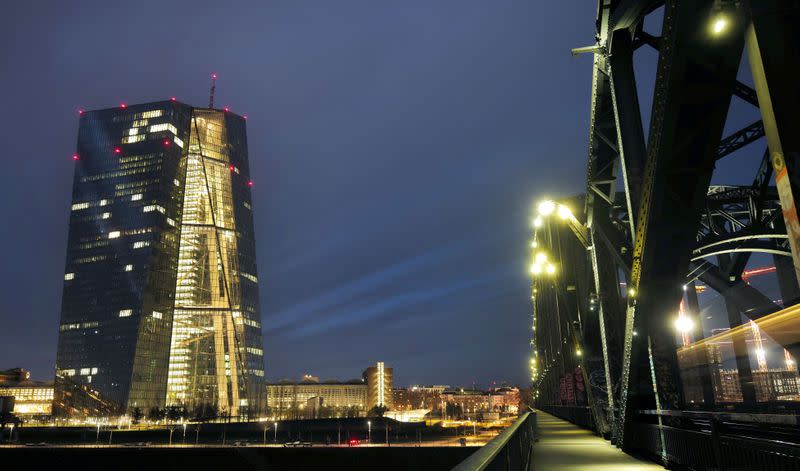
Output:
x=160 y=298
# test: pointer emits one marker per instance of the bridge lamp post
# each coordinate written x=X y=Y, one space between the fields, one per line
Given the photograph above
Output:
x=542 y=266
x=549 y=208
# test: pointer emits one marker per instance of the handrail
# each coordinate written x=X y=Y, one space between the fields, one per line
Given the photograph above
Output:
x=484 y=456
x=744 y=417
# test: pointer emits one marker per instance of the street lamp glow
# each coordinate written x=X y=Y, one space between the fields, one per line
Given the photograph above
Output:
x=578 y=352
x=684 y=324
x=546 y=208
x=632 y=292
x=551 y=269
x=564 y=212
x=536 y=269
x=537 y=222
x=534 y=244
x=719 y=25
x=541 y=257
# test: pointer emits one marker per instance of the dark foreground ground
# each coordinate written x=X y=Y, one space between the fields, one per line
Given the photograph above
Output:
x=232 y=458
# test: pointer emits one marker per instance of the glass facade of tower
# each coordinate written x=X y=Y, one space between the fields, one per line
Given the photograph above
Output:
x=160 y=301
x=216 y=351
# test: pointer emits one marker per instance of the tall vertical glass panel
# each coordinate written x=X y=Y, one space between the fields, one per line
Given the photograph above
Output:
x=216 y=353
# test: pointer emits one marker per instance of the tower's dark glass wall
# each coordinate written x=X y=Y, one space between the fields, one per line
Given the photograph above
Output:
x=124 y=249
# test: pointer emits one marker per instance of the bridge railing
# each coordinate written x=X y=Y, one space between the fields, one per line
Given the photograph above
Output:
x=511 y=449
x=712 y=441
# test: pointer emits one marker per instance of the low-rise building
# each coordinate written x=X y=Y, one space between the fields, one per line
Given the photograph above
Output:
x=464 y=403
x=31 y=398
x=417 y=397
x=288 y=399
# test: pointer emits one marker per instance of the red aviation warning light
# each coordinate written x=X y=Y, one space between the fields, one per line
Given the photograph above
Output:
x=173 y=99
x=123 y=105
x=166 y=142
x=75 y=157
x=250 y=183
x=117 y=150
x=232 y=168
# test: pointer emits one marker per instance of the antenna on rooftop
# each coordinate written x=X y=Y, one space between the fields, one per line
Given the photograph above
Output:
x=213 y=89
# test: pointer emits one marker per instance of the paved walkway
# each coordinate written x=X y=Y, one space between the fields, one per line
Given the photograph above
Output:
x=565 y=447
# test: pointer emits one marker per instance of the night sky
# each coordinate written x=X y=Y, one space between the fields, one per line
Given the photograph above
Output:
x=397 y=149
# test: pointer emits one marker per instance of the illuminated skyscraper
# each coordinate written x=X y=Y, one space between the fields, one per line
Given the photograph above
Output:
x=160 y=302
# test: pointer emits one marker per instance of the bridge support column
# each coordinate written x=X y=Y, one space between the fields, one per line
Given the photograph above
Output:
x=773 y=48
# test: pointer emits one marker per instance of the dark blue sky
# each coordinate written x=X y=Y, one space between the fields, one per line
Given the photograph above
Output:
x=396 y=150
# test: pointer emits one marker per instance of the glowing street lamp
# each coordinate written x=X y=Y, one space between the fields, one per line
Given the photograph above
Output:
x=564 y=212
x=684 y=324
x=719 y=24
x=546 y=207
x=369 y=431
x=541 y=265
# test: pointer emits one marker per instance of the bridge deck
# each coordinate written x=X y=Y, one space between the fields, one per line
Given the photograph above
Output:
x=563 y=446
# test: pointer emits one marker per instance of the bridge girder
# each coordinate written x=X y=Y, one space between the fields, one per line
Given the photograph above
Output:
x=663 y=229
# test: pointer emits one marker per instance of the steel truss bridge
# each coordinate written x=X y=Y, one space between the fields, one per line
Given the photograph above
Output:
x=618 y=269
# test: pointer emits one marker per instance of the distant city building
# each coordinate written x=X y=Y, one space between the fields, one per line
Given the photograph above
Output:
x=14 y=375
x=289 y=400
x=464 y=403
x=505 y=400
x=458 y=403
x=160 y=299
x=379 y=381
x=417 y=397
x=29 y=398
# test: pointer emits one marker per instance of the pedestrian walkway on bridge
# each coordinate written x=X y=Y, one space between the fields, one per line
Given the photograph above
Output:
x=563 y=446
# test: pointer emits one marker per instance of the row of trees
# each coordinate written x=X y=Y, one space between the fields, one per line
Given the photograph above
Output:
x=321 y=412
x=200 y=413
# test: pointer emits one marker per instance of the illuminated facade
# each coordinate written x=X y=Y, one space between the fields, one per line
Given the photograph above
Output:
x=160 y=303
x=31 y=398
x=288 y=400
x=379 y=381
